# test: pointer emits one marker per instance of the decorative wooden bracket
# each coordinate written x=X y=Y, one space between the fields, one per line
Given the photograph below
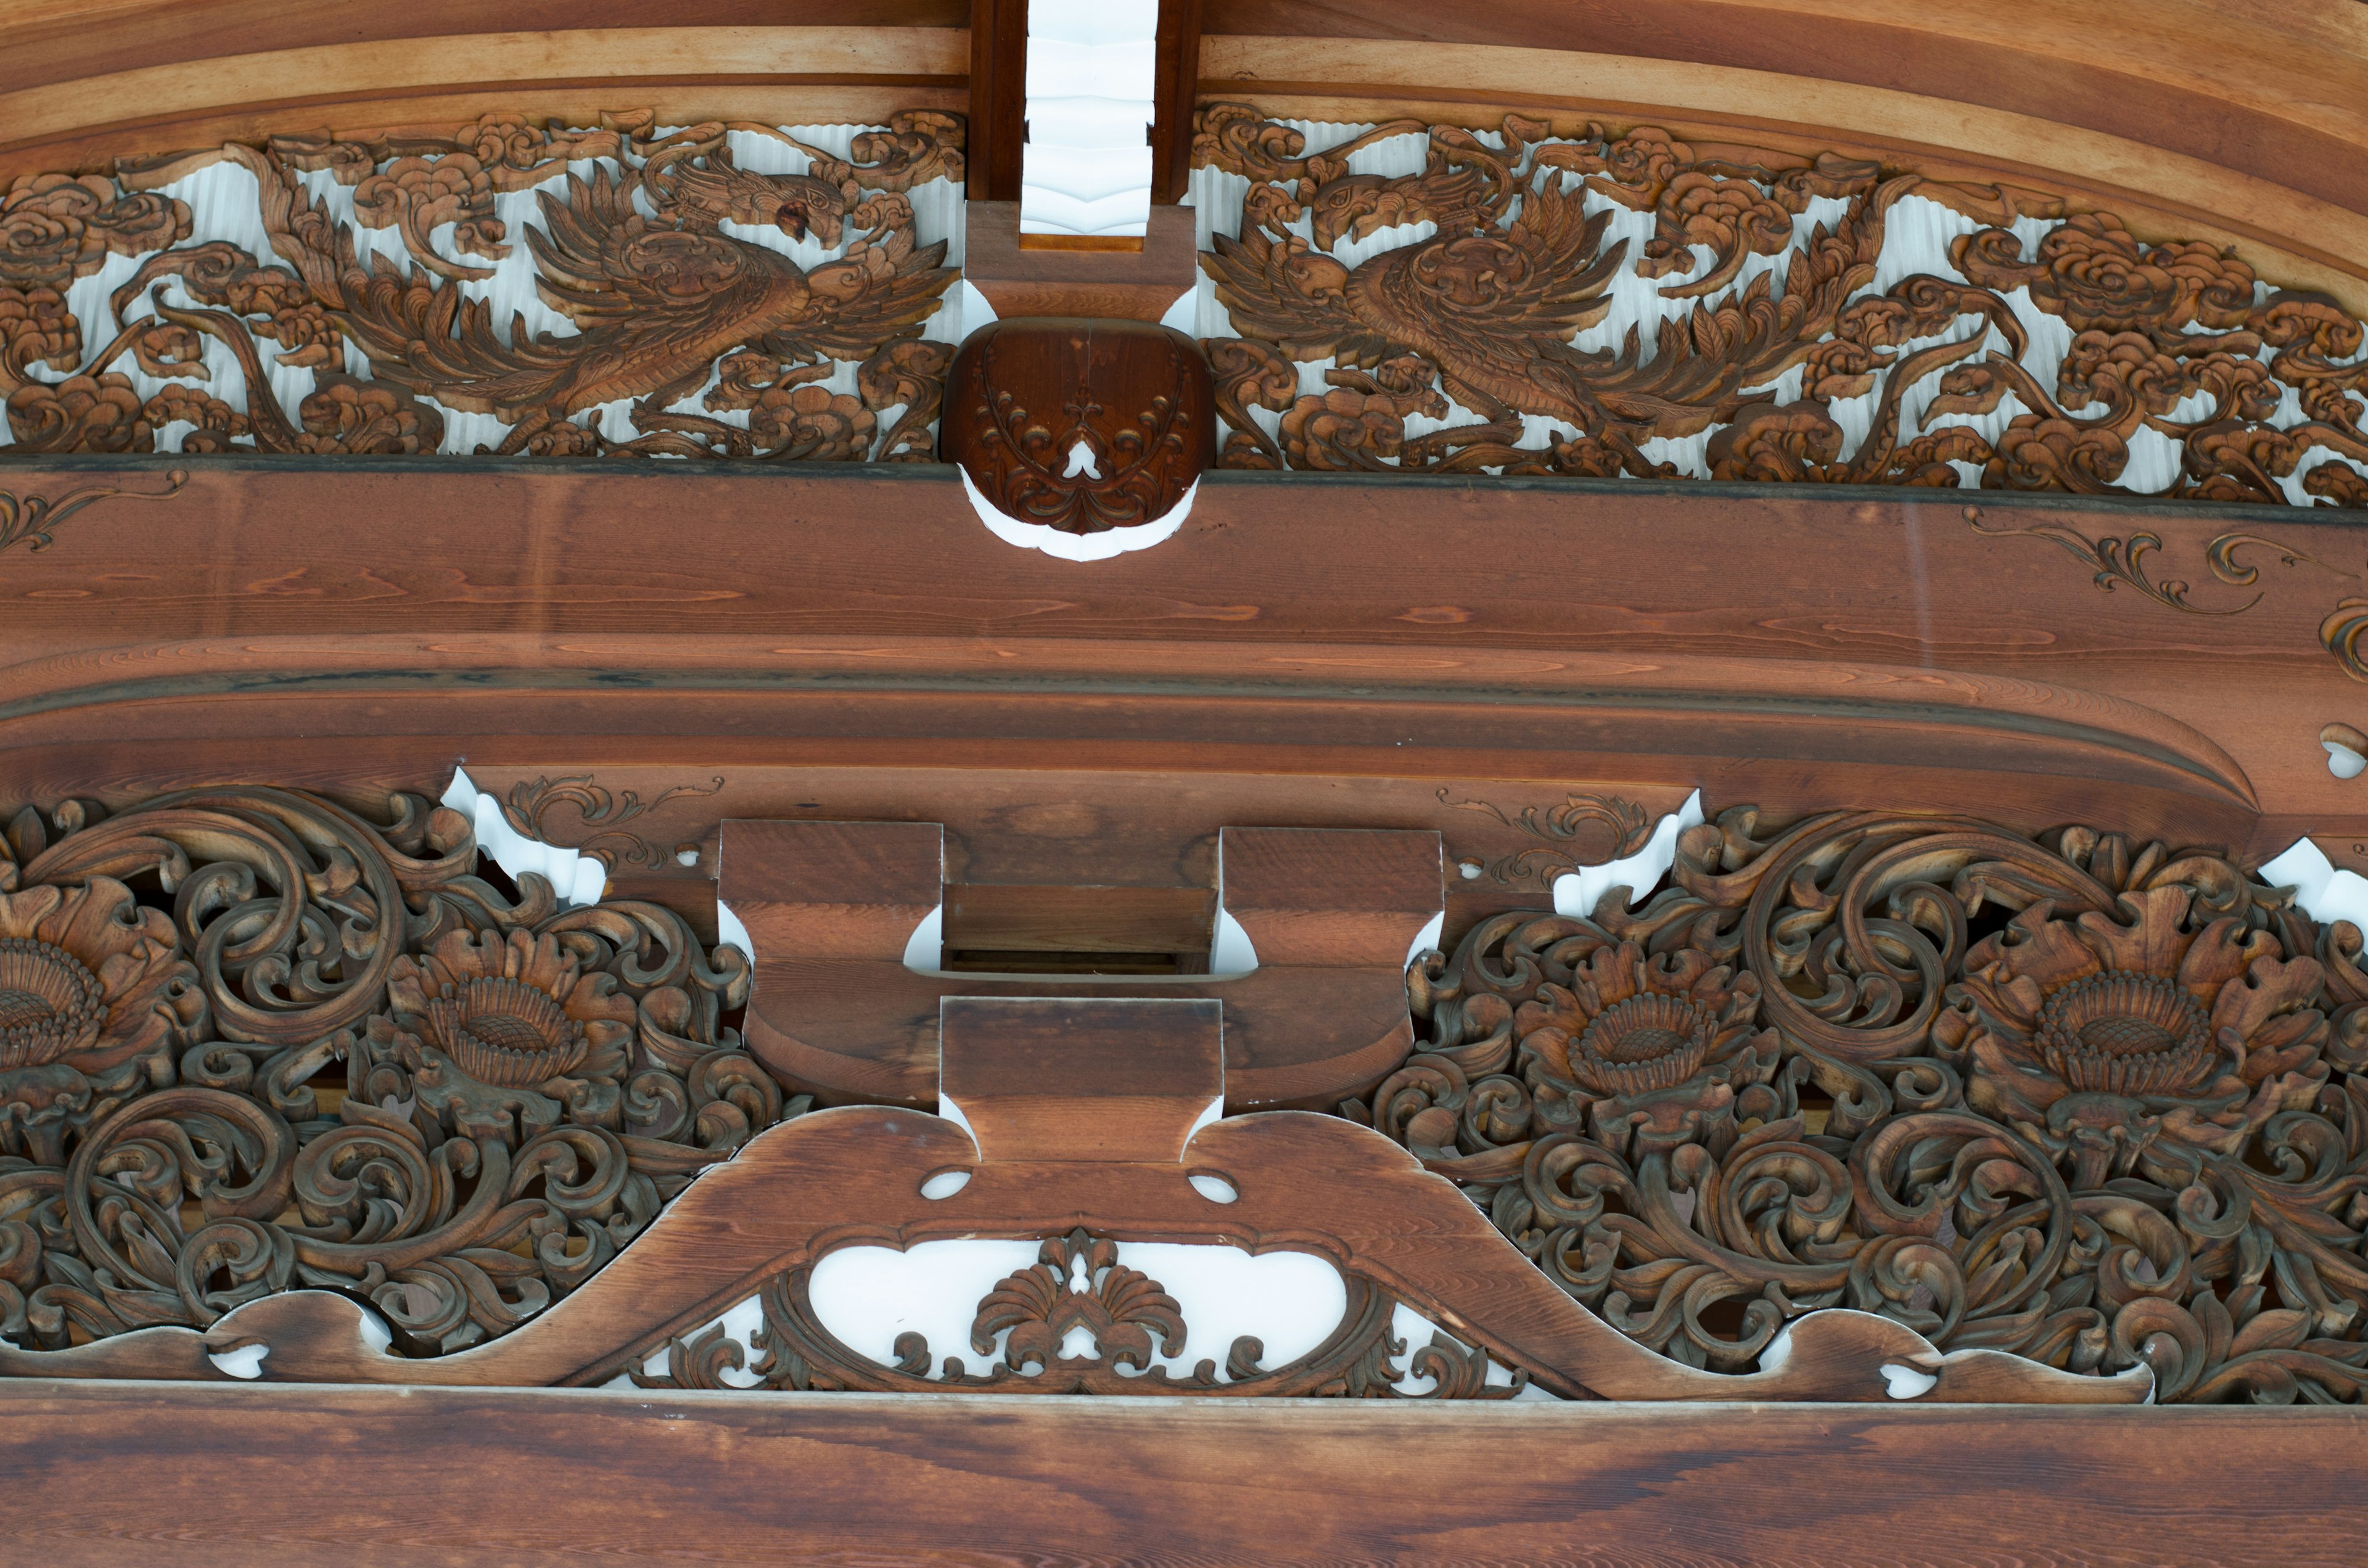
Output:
x=1100 y=1151
x=831 y=908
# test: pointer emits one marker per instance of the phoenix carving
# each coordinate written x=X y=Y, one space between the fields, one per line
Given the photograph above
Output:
x=1487 y=313
x=643 y=247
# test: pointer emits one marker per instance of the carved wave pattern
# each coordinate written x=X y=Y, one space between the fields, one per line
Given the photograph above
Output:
x=1431 y=299
x=2078 y=1099
x=251 y=1042
x=711 y=290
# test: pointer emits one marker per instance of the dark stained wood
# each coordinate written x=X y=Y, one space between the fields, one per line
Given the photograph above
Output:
x=231 y=1477
x=1788 y=646
x=1075 y=1078
x=1081 y=424
x=1176 y=90
x=999 y=97
x=1054 y=918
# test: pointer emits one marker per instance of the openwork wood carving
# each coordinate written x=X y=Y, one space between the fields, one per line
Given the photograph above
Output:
x=1468 y=350
x=251 y=1042
x=2093 y=1102
x=1078 y=1283
x=634 y=248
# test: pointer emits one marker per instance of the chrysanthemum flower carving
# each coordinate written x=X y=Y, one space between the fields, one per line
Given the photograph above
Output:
x=2084 y=1100
x=343 y=1061
x=96 y=1000
x=2123 y=1037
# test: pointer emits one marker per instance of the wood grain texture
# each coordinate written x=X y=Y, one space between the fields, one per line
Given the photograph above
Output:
x=246 y=1475
x=1778 y=645
x=2309 y=238
x=176 y=103
x=1140 y=285
x=831 y=906
x=2272 y=90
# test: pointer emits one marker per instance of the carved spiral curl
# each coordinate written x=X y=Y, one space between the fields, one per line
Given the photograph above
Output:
x=1945 y=1079
x=272 y=1087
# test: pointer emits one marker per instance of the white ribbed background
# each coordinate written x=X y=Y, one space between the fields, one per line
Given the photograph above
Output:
x=1915 y=240
x=223 y=206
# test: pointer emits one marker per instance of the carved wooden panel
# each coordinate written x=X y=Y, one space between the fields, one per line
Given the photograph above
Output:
x=2085 y=1098
x=1997 y=363
x=1077 y=424
x=345 y=345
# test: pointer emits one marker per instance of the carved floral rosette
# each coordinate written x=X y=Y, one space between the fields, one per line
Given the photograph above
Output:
x=2078 y=1098
x=653 y=296
x=1758 y=336
x=251 y=1041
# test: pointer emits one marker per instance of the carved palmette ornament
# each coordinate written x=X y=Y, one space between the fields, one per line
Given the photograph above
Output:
x=251 y=1041
x=1078 y=1283
x=1080 y=425
x=2083 y=1099
x=1461 y=351
x=633 y=244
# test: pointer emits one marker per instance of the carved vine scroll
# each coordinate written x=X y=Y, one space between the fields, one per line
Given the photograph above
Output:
x=2087 y=1100
x=252 y=1042
x=1776 y=332
x=664 y=262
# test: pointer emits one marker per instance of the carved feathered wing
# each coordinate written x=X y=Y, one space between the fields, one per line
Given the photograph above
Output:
x=883 y=289
x=1292 y=296
x=1484 y=308
x=1487 y=309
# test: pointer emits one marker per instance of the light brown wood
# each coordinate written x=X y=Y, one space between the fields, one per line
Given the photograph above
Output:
x=2314 y=237
x=1136 y=283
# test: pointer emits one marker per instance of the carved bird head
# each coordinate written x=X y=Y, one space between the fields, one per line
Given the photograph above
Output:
x=1355 y=205
x=794 y=205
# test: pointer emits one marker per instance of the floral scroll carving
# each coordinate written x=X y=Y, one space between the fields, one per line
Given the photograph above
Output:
x=32 y=520
x=1078 y=1283
x=2087 y=1100
x=1449 y=353
x=634 y=249
x=251 y=1041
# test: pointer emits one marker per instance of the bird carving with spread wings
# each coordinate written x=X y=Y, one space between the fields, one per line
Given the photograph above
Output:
x=1493 y=310
x=656 y=296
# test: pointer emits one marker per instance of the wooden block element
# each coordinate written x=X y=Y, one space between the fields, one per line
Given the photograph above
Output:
x=1032 y=282
x=1116 y=1078
x=234 y=1477
x=836 y=1013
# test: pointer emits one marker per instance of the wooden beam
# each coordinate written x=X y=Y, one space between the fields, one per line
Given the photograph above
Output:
x=999 y=97
x=143 y=1473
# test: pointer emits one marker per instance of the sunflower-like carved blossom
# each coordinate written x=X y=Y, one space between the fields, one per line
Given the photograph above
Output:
x=2108 y=1034
x=2085 y=1099
x=513 y=1010
x=95 y=998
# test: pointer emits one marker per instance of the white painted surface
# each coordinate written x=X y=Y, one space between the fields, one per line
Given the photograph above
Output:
x=1917 y=232
x=1579 y=892
x=1087 y=167
x=578 y=879
x=2342 y=761
x=1064 y=546
x=730 y=933
x=2323 y=892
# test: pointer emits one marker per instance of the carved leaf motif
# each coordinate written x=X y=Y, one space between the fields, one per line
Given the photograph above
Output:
x=2078 y=1098
x=636 y=253
x=1496 y=299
